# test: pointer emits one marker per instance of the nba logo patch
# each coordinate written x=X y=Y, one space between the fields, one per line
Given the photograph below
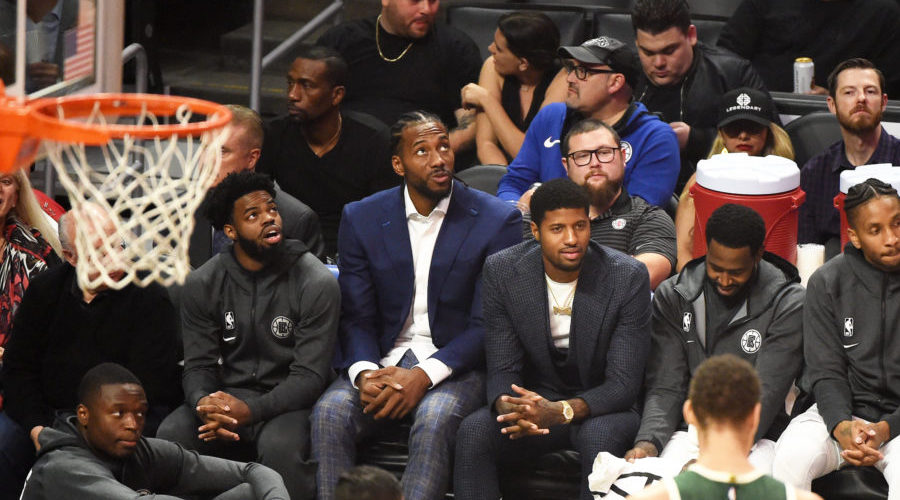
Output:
x=229 y=320
x=686 y=322
x=848 y=327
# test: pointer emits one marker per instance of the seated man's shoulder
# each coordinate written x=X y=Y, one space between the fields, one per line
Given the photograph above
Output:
x=347 y=32
x=370 y=206
x=822 y=162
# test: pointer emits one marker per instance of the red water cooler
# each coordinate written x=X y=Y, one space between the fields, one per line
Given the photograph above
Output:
x=770 y=185
x=883 y=171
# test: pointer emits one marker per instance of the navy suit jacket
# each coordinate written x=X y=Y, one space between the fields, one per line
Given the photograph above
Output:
x=610 y=324
x=377 y=275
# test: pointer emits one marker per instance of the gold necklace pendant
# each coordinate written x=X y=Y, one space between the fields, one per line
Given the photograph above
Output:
x=378 y=44
x=566 y=308
x=564 y=311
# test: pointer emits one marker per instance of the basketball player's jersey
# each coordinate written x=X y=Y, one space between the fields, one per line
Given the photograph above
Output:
x=701 y=483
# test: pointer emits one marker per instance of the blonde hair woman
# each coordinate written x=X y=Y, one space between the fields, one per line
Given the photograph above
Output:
x=745 y=126
x=27 y=244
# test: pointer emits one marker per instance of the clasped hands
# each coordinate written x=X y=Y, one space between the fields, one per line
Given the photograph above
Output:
x=222 y=414
x=529 y=414
x=860 y=441
x=391 y=392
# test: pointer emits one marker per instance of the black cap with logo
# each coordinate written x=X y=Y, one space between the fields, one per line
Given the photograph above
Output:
x=746 y=104
x=608 y=51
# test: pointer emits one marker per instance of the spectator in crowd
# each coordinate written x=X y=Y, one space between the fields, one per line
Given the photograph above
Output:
x=411 y=334
x=404 y=61
x=601 y=74
x=30 y=246
x=771 y=34
x=724 y=406
x=46 y=23
x=240 y=152
x=100 y=453
x=593 y=158
x=259 y=325
x=737 y=300
x=566 y=338
x=683 y=79
x=745 y=126
x=321 y=154
x=520 y=77
x=61 y=331
x=365 y=482
x=857 y=99
x=850 y=327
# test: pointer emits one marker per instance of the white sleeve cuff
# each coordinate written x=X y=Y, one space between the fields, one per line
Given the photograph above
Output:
x=359 y=367
x=436 y=370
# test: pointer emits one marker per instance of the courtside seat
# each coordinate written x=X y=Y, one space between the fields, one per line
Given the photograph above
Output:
x=811 y=134
x=852 y=483
x=483 y=177
x=617 y=24
x=479 y=21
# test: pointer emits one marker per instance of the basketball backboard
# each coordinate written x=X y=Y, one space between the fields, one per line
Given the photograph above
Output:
x=59 y=47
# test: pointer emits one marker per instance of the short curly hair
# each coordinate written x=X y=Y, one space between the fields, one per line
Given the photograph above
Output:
x=656 y=16
x=556 y=194
x=736 y=226
x=220 y=204
x=725 y=388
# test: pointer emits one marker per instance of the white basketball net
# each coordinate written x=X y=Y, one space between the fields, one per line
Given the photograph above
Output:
x=133 y=201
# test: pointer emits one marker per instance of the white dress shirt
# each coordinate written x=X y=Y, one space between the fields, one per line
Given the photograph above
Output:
x=416 y=331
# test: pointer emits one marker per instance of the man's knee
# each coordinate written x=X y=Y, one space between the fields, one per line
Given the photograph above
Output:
x=335 y=403
x=285 y=437
x=478 y=431
x=613 y=433
x=179 y=426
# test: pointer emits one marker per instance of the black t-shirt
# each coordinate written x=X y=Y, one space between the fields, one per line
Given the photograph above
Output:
x=357 y=166
x=429 y=76
x=720 y=310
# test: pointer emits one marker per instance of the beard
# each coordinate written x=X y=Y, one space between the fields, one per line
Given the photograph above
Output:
x=258 y=252
x=603 y=195
x=861 y=124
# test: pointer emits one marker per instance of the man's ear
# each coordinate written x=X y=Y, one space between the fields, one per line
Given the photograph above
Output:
x=688 y=411
x=398 y=166
x=83 y=415
x=830 y=102
x=854 y=238
x=337 y=95
x=535 y=232
x=252 y=158
x=230 y=232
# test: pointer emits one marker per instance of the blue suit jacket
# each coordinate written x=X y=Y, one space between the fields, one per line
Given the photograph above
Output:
x=377 y=275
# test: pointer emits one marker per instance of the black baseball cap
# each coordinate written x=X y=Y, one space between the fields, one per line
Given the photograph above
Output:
x=746 y=103
x=609 y=51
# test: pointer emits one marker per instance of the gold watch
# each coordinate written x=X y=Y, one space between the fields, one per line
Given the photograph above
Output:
x=567 y=411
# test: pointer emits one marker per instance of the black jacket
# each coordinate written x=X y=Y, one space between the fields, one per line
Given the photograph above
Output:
x=274 y=330
x=851 y=332
x=766 y=331
x=67 y=468
x=695 y=100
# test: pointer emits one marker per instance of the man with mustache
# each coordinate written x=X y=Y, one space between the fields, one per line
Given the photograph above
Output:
x=411 y=333
x=739 y=300
x=259 y=324
x=856 y=97
x=593 y=159
x=602 y=73
x=404 y=61
x=850 y=341
x=322 y=154
x=566 y=340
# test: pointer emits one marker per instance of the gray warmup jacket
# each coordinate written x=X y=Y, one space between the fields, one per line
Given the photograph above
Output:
x=851 y=332
x=274 y=329
x=766 y=331
x=67 y=468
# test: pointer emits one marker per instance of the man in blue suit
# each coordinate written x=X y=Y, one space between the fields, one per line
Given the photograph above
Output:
x=411 y=334
x=567 y=335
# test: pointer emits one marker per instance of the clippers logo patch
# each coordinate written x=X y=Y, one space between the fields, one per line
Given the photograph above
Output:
x=751 y=341
x=229 y=320
x=848 y=327
x=626 y=148
x=282 y=327
x=686 y=322
x=618 y=224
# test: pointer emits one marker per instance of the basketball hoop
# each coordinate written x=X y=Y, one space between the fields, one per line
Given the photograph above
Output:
x=136 y=168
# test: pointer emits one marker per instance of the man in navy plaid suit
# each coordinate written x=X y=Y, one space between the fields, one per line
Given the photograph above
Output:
x=411 y=334
x=567 y=335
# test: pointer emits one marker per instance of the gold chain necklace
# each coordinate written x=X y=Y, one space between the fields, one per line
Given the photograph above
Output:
x=331 y=142
x=566 y=309
x=378 y=44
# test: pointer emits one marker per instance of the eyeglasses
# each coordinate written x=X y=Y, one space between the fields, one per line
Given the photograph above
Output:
x=734 y=129
x=582 y=72
x=583 y=158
